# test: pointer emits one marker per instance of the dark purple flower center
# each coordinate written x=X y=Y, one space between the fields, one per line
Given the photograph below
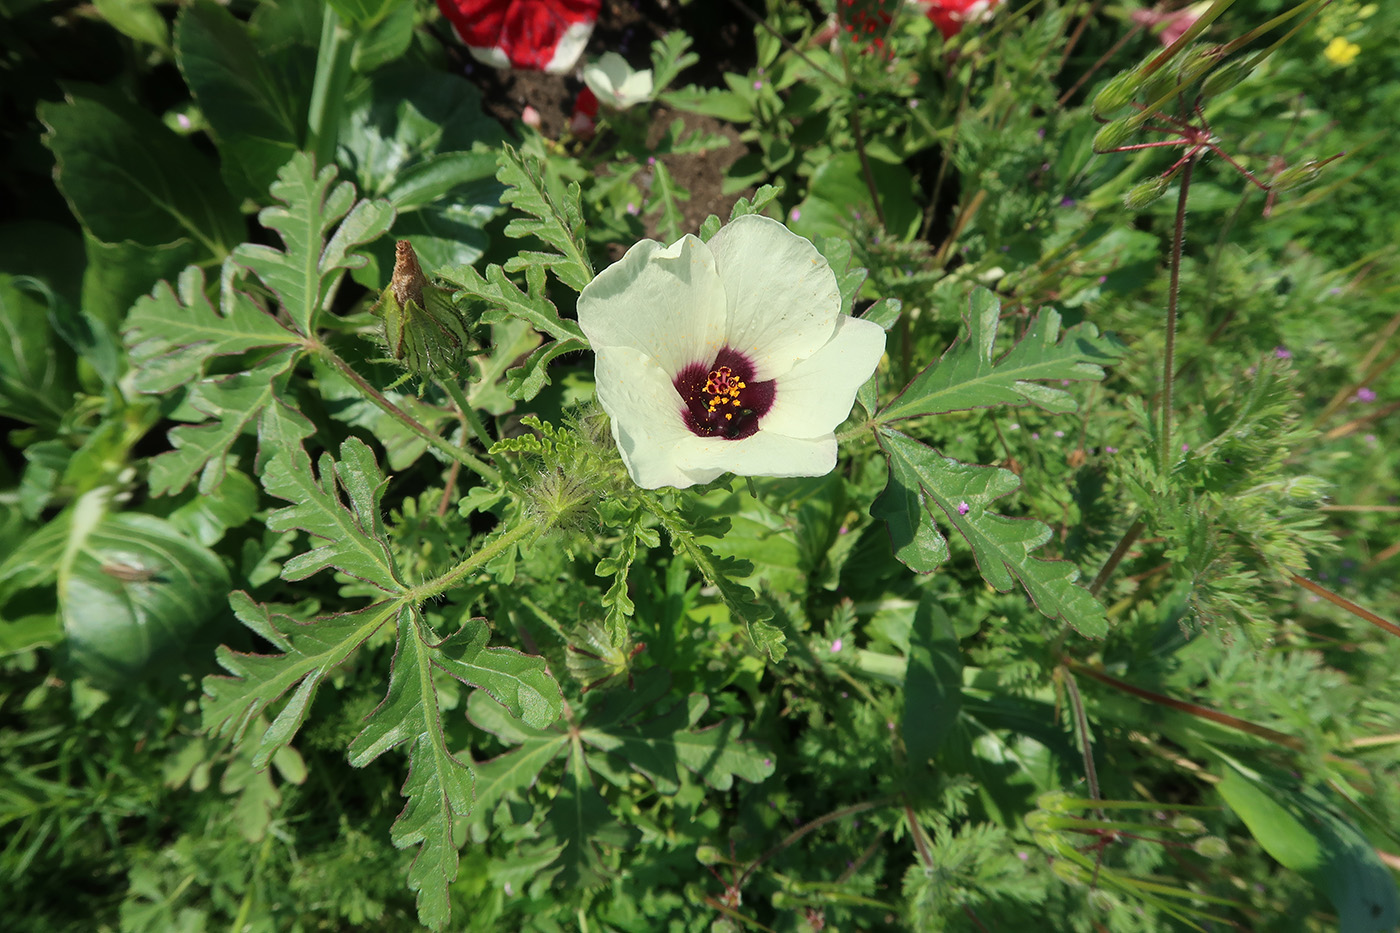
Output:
x=723 y=399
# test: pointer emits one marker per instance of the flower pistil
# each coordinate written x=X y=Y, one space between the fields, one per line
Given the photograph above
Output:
x=723 y=399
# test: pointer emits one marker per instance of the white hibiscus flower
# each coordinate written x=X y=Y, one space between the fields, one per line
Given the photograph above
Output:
x=731 y=356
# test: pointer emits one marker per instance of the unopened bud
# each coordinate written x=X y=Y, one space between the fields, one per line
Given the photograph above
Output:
x=1303 y=174
x=422 y=328
x=1211 y=847
x=1113 y=135
x=1197 y=64
x=1116 y=94
x=1157 y=86
x=1144 y=193
x=1188 y=824
x=1226 y=77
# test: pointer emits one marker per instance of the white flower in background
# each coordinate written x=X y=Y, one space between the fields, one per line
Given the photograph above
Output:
x=731 y=356
x=615 y=82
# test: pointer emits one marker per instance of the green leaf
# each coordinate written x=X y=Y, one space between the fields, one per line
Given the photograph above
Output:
x=499 y=291
x=723 y=573
x=256 y=119
x=235 y=402
x=129 y=177
x=132 y=590
x=516 y=770
x=519 y=682
x=526 y=381
x=653 y=733
x=172 y=337
x=137 y=19
x=206 y=517
x=968 y=377
x=119 y=274
x=668 y=197
x=310 y=652
x=932 y=685
x=581 y=821
x=1299 y=828
x=355 y=541
x=438 y=788
x=385 y=40
x=924 y=485
x=37 y=379
x=838 y=192
x=419 y=139
x=556 y=218
x=302 y=276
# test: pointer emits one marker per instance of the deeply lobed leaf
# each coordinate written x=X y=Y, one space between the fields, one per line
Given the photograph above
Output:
x=354 y=538
x=967 y=375
x=925 y=487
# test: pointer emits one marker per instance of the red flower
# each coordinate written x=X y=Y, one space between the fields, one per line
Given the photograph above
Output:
x=950 y=15
x=537 y=35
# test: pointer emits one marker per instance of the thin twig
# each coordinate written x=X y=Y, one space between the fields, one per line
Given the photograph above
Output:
x=1337 y=600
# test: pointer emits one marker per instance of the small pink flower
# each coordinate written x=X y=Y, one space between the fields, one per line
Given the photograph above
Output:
x=530 y=117
x=836 y=646
x=1365 y=394
x=964 y=508
x=1282 y=353
x=1173 y=22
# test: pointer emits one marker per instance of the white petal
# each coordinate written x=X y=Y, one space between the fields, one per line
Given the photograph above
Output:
x=570 y=47
x=646 y=416
x=782 y=296
x=665 y=301
x=761 y=454
x=615 y=83
x=816 y=395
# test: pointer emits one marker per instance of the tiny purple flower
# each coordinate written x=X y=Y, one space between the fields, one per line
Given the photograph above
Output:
x=1370 y=439
x=651 y=160
x=1365 y=394
x=1059 y=433
x=631 y=207
x=1015 y=426
x=183 y=120
x=836 y=646
x=1023 y=856
x=1035 y=435
x=1282 y=353
x=1185 y=448
x=795 y=215
x=1334 y=291
x=1040 y=133
x=1067 y=202
x=964 y=508
x=758 y=85
x=1111 y=450
x=1103 y=279
x=768 y=762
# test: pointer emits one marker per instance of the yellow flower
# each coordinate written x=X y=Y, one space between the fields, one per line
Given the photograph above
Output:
x=1341 y=52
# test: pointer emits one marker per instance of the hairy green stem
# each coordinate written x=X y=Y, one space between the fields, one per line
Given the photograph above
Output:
x=441 y=584
x=1169 y=363
x=1119 y=552
x=378 y=399
x=474 y=422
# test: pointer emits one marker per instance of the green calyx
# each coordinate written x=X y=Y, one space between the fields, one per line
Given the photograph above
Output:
x=425 y=332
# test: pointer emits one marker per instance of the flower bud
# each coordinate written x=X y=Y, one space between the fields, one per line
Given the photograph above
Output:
x=422 y=328
x=1144 y=193
x=1112 y=135
x=1211 y=847
x=1197 y=63
x=1161 y=83
x=1116 y=94
x=1304 y=173
x=1226 y=77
